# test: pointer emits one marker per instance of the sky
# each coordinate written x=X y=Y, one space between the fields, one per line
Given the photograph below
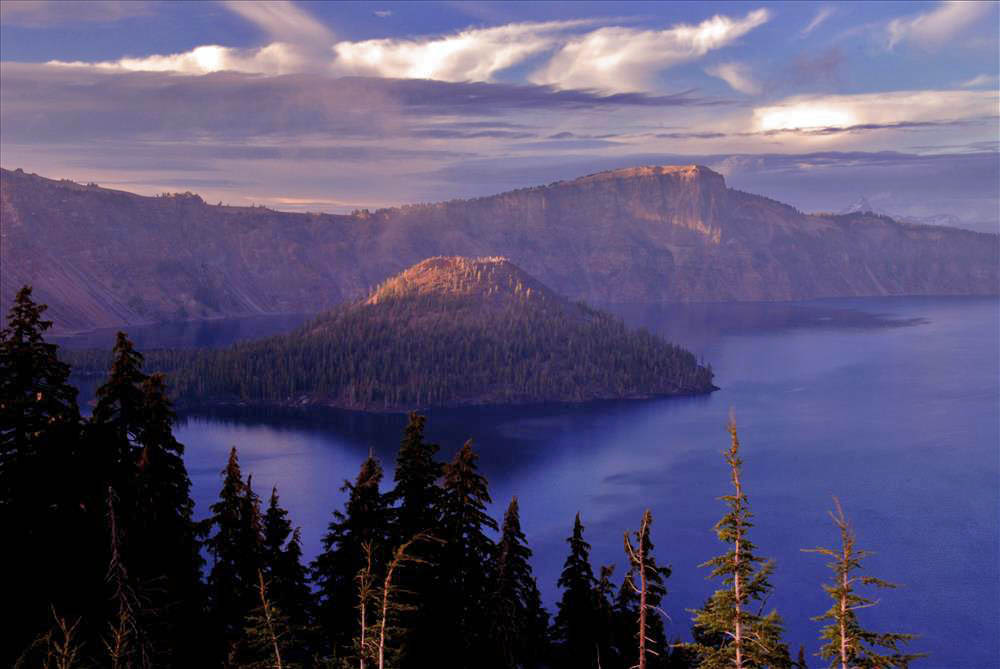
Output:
x=317 y=106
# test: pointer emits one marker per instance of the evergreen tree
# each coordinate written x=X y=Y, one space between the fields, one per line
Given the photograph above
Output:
x=363 y=521
x=39 y=481
x=268 y=641
x=236 y=548
x=466 y=558
x=417 y=497
x=751 y=640
x=849 y=645
x=519 y=637
x=646 y=581
x=577 y=624
x=287 y=587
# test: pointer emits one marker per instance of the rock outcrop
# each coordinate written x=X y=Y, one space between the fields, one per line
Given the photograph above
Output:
x=656 y=234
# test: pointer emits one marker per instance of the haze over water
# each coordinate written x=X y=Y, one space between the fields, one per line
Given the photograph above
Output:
x=889 y=403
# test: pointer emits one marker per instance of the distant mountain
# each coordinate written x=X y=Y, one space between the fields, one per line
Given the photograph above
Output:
x=446 y=332
x=657 y=234
x=863 y=206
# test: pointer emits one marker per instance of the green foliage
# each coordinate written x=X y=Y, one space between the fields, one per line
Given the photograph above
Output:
x=848 y=643
x=645 y=581
x=744 y=638
x=433 y=350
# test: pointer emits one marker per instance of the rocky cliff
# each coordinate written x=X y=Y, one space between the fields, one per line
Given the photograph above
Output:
x=100 y=257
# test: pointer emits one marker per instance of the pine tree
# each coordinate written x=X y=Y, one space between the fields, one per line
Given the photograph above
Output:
x=268 y=641
x=417 y=497
x=466 y=557
x=849 y=645
x=236 y=548
x=646 y=580
x=751 y=640
x=40 y=494
x=577 y=622
x=518 y=634
x=363 y=521
x=288 y=587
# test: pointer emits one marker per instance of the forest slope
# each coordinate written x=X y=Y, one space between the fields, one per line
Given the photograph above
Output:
x=103 y=258
x=446 y=332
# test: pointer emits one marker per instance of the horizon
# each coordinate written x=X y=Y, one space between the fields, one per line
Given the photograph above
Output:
x=330 y=108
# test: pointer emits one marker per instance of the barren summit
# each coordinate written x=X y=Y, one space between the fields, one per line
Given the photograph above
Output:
x=652 y=234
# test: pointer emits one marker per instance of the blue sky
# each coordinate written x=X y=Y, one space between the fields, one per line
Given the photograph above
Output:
x=328 y=106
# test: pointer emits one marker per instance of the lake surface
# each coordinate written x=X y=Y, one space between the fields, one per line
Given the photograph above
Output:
x=891 y=404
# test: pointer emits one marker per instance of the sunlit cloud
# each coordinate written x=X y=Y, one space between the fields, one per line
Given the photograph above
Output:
x=737 y=75
x=276 y=58
x=626 y=59
x=821 y=16
x=873 y=109
x=470 y=55
x=935 y=28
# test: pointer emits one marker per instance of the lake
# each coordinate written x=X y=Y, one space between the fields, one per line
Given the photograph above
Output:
x=891 y=404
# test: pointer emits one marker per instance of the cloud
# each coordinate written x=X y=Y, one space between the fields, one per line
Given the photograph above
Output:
x=626 y=59
x=275 y=58
x=383 y=13
x=737 y=75
x=806 y=112
x=283 y=21
x=43 y=13
x=990 y=80
x=475 y=54
x=822 y=15
x=935 y=28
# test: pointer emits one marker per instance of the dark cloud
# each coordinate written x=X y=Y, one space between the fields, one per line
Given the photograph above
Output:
x=48 y=104
x=818 y=68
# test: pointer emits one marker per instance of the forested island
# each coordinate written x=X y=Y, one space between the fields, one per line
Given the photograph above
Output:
x=448 y=331
x=107 y=566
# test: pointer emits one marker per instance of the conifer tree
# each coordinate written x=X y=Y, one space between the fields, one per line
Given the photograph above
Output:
x=645 y=580
x=849 y=645
x=466 y=556
x=39 y=481
x=287 y=580
x=750 y=640
x=268 y=640
x=237 y=554
x=417 y=500
x=577 y=622
x=515 y=619
x=363 y=521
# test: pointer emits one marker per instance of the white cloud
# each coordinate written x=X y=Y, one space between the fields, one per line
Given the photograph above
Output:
x=283 y=21
x=276 y=58
x=934 y=28
x=737 y=75
x=470 y=55
x=383 y=13
x=822 y=15
x=625 y=59
x=805 y=112
x=981 y=80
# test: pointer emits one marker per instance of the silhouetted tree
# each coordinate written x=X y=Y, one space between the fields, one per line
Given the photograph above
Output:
x=40 y=485
x=517 y=624
x=466 y=558
x=363 y=521
x=576 y=630
x=646 y=580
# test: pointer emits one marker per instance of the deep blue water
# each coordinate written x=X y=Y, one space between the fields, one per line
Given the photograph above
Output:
x=893 y=405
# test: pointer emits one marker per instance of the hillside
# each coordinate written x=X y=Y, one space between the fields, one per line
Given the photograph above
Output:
x=103 y=258
x=446 y=332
